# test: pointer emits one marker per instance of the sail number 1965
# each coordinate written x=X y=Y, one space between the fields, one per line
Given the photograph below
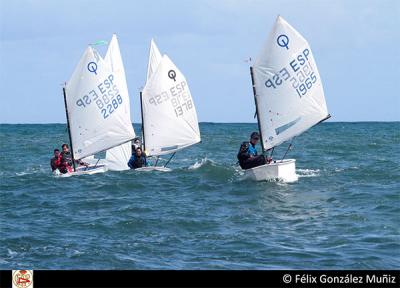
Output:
x=299 y=73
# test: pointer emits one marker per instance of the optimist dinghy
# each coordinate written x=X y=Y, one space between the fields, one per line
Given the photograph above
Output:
x=288 y=94
x=82 y=170
x=169 y=118
x=97 y=109
x=154 y=168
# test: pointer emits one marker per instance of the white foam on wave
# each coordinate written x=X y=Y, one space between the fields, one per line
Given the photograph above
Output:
x=77 y=253
x=338 y=170
x=11 y=253
x=22 y=173
x=31 y=171
x=308 y=172
x=200 y=163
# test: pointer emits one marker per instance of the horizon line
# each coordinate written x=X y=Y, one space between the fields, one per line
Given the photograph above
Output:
x=211 y=122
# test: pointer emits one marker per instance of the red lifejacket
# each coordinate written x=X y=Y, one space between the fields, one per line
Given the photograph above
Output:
x=64 y=165
x=58 y=161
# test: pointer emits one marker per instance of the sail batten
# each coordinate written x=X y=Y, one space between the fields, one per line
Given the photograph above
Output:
x=288 y=88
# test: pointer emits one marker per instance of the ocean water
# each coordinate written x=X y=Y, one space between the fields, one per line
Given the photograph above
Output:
x=342 y=213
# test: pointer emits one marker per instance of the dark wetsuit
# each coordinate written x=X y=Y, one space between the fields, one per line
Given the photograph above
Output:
x=66 y=162
x=137 y=162
x=248 y=157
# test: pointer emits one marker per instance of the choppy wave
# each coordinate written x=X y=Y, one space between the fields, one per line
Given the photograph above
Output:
x=308 y=172
x=200 y=163
x=342 y=213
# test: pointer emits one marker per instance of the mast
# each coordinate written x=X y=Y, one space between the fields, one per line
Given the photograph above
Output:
x=141 y=112
x=69 y=130
x=255 y=101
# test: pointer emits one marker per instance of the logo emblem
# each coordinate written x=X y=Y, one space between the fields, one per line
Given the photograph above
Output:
x=172 y=75
x=283 y=41
x=22 y=278
x=92 y=67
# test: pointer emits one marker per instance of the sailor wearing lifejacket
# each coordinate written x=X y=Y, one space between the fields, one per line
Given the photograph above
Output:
x=66 y=163
x=248 y=156
x=138 y=159
x=56 y=160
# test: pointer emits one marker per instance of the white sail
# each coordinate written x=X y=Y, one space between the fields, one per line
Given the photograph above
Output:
x=154 y=59
x=169 y=114
x=88 y=158
x=118 y=157
x=95 y=103
x=289 y=93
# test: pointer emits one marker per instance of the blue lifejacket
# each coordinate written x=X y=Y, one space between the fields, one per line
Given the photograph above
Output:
x=252 y=150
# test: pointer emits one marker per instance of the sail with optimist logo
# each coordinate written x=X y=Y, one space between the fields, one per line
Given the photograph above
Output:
x=288 y=89
x=96 y=100
x=168 y=111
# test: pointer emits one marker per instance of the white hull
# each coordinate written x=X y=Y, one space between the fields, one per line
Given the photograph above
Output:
x=82 y=170
x=154 y=168
x=283 y=170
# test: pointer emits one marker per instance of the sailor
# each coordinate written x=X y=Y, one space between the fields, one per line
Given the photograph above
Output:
x=56 y=160
x=138 y=159
x=248 y=157
x=66 y=164
x=136 y=143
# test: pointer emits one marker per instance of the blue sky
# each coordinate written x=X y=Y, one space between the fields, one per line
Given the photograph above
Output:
x=355 y=43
